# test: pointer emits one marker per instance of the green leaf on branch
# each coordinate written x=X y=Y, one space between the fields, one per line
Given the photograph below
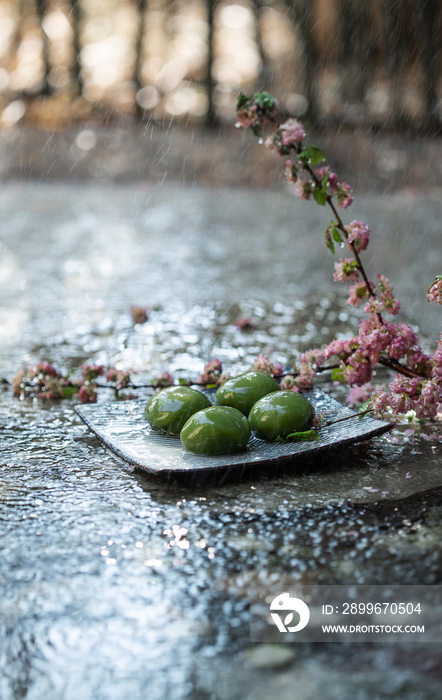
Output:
x=364 y=408
x=312 y=155
x=337 y=235
x=319 y=197
x=328 y=240
x=265 y=101
x=242 y=100
x=305 y=436
x=324 y=184
x=257 y=130
x=337 y=375
x=69 y=391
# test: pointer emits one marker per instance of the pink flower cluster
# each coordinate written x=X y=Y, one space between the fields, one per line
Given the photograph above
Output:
x=140 y=314
x=212 y=372
x=360 y=394
x=434 y=293
x=358 y=292
x=384 y=299
x=247 y=116
x=304 y=190
x=332 y=178
x=263 y=364
x=309 y=362
x=358 y=235
x=246 y=324
x=163 y=379
x=334 y=187
x=420 y=395
x=121 y=378
x=346 y=270
x=344 y=196
x=291 y=170
x=43 y=381
x=286 y=137
x=292 y=132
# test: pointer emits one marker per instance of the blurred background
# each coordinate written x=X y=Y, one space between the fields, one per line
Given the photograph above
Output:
x=365 y=66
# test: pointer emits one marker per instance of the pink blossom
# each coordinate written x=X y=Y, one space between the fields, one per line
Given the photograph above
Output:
x=384 y=301
x=212 y=371
x=139 y=314
x=222 y=378
x=288 y=383
x=163 y=379
x=359 y=394
x=46 y=368
x=346 y=270
x=91 y=372
x=358 y=234
x=291 y=170
x=380 y=402
x=344 y=196
x=121 y=378
x=292 y=132
x=304 y=190
x=263 y=364
x=409 y=394
x=357 y=369
x=332 y=178
x=319 y=418
x=16 y=381
x=246 y=324
x=277 y=369
x=341 y=348
x=52 y=388
x=358 y=292
x=213 y=366
x=247 y=116
x=87 y=393
x=436 y=362
x=434 y=293
x=309 y=362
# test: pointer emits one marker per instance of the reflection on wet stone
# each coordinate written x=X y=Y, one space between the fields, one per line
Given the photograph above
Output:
x=116 y=584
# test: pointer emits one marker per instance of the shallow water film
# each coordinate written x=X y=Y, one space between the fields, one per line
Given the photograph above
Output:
x=117 y=584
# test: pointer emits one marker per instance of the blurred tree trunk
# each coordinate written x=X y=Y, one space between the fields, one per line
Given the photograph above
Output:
x=139 y=53
x=301 y=14
x=265 y=78
x=40 y=6
x=211 y=116
x=429 y=21
x=76 y=69
x=355 y=49
x=396 y=52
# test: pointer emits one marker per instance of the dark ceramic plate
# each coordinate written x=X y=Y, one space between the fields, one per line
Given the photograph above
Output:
x=123 y=429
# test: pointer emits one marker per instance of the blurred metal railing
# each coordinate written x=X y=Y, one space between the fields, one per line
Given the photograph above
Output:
x=357 y=61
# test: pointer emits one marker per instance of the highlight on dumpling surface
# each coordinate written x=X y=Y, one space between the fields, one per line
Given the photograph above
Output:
x=170 y=408
x=280 y=414
x=215 y=431
x=244 y=391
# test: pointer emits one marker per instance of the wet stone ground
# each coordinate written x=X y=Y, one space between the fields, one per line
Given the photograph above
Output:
x=115 y=584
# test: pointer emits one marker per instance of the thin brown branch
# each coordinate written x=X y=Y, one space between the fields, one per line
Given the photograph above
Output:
x=397 y=367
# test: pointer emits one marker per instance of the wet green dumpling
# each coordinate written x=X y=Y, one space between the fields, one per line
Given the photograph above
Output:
x=244 y=391
x=172 y=407
x=281 y=413
x=218 y=430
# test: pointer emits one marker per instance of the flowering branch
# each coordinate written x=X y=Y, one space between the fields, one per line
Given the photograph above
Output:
x=418 y=384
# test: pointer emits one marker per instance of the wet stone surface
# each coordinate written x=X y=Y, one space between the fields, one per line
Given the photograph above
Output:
x=115 y=584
